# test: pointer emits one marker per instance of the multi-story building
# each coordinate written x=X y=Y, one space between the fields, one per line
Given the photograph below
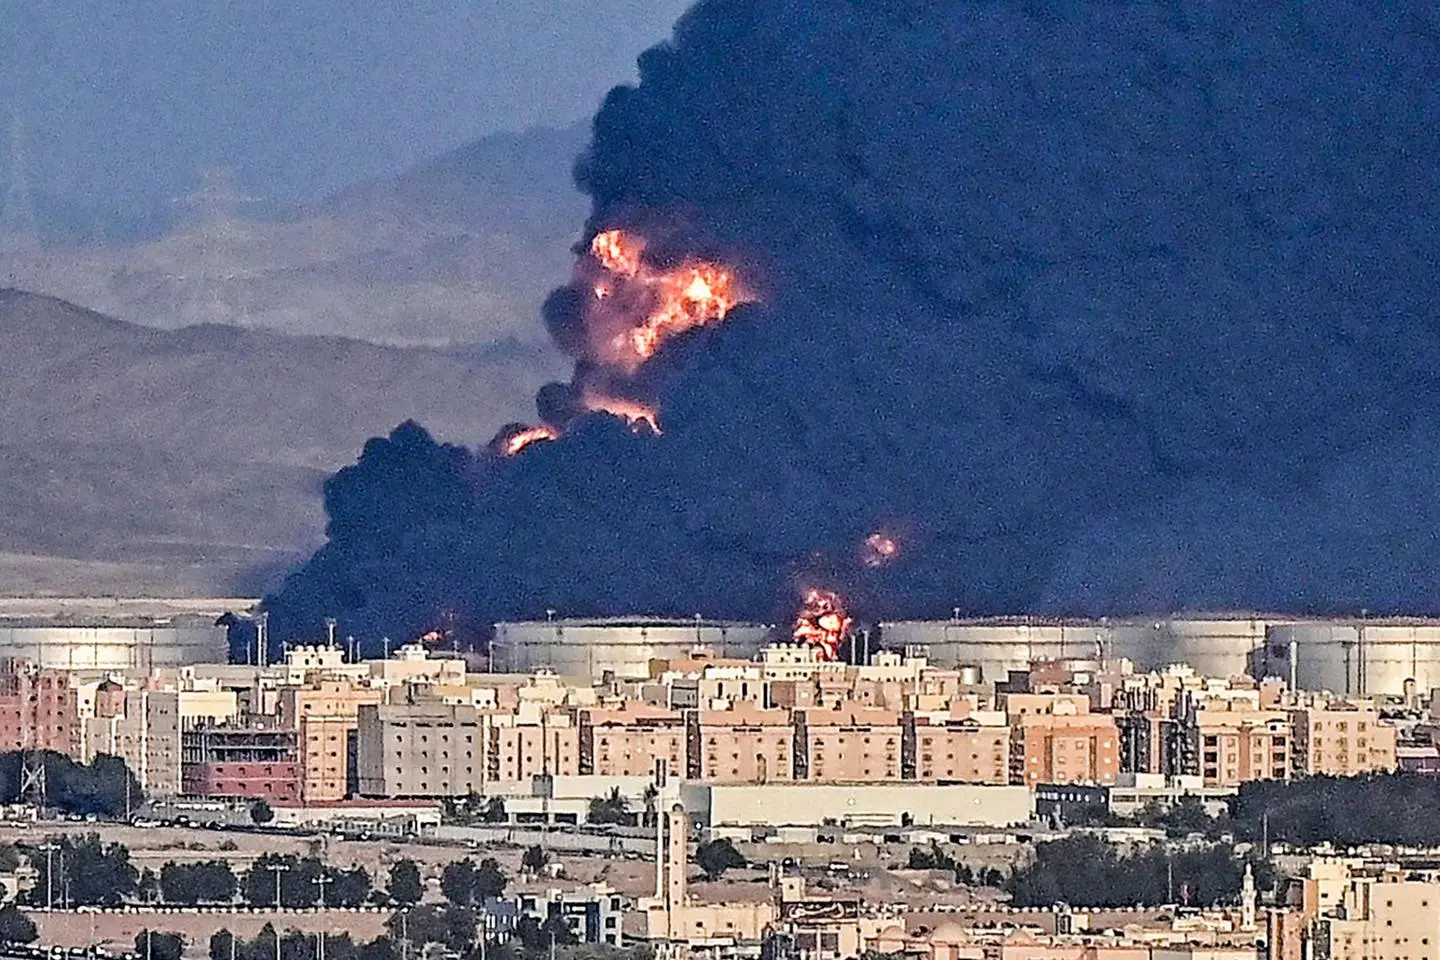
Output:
x=1230 y=740
x=626 y=740
x=848 y=744
x=1341 y=738
x=38 y=709
x=973 y=749
x=1390 y=916
x=744 y=744
x=324 y=714
x=1062 y=748
x=433 y=749
x=240 y=761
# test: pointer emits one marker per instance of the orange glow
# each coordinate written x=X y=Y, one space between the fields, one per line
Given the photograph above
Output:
x=618 y=252
x=822 y=622
x=693 y=294
x=433 y=637
x=524 y=438
x=878 y=549
x=691 y=297
x=632 y=412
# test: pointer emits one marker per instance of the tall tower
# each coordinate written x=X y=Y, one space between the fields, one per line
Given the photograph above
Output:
x=1247 y=900
x=18 y=229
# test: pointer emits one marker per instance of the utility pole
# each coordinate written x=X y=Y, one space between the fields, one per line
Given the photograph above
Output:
x=277 y=869
x=49 y=847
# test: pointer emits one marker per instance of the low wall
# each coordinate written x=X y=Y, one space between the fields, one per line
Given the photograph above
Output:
x=116 y=930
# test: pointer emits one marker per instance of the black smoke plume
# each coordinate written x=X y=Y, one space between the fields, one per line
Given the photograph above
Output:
x=1107 y=307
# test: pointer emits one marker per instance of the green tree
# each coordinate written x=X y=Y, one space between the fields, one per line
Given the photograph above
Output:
x=405 y=884
x=611 y=808
x=494 y=811
x=717 y=856
x=534 y=859
x=82 y=871
x=221 y=943
x=381 y=948
x=457 y=882
x=194 y=883
x=156 y=945
x=260 y=813
x=346 y=888
x=433 y=923
x=15 y=927
x=490 y=881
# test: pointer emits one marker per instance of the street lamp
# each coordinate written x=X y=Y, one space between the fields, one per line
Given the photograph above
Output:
x=49 y=846
x=322 y=882
x=277 y=869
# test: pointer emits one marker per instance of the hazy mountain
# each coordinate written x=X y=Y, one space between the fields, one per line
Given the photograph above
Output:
x=459 y=250
x=137 y=460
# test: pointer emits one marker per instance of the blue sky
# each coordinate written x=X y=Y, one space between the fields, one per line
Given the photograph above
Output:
x=126 y=100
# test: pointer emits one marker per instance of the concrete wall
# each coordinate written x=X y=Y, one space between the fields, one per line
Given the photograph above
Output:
x=803 y=804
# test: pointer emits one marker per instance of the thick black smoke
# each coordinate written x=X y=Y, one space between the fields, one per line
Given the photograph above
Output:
x=1103 y=307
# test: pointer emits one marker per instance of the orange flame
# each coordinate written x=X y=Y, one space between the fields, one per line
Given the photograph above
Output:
x=632 y=412
x=878 y=549
x=822 y=622
x=524 y=438
x=618 y=252
x=694 y=294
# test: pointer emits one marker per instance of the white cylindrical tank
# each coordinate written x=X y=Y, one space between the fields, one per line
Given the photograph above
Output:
x=622 y=646
x=1215 y=646
x=1357 y=656
x=134 y=646
x=996 y=646
x=1212 y=646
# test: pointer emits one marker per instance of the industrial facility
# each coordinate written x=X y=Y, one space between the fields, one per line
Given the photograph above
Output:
x=619 y=646
x=1351 y=656
x=66 y=633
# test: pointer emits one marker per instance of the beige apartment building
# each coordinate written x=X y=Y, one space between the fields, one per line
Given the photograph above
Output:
x=848 y=744
x=1231 y=740
x=433 y=749
x=1064 y=748
x=744 y=744
x=962 y=751
x=324 y=715
x=626 y=740
x=1341 y=738
x=1382 y=918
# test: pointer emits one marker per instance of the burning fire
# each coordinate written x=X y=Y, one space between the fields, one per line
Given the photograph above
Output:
x=519 y=441
x=671 y=301
x=633 y=412
x=618 y=252
x=878 y=549
x=823 y=622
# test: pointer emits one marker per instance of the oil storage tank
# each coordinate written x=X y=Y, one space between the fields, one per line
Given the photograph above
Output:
x=997 y=645
x=1355 y=656
x=135 y=645
x=1219 y=645
x=621 y=646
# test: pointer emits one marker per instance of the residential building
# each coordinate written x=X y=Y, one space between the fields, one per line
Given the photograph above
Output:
x=743 y=744
x=847 y=743
x=1341 y=738
x=1061 y=748
x=975 y=749
x=626 y=740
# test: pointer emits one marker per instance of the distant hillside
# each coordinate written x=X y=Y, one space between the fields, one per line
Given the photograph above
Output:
x=135 y=459
x=461 y=249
